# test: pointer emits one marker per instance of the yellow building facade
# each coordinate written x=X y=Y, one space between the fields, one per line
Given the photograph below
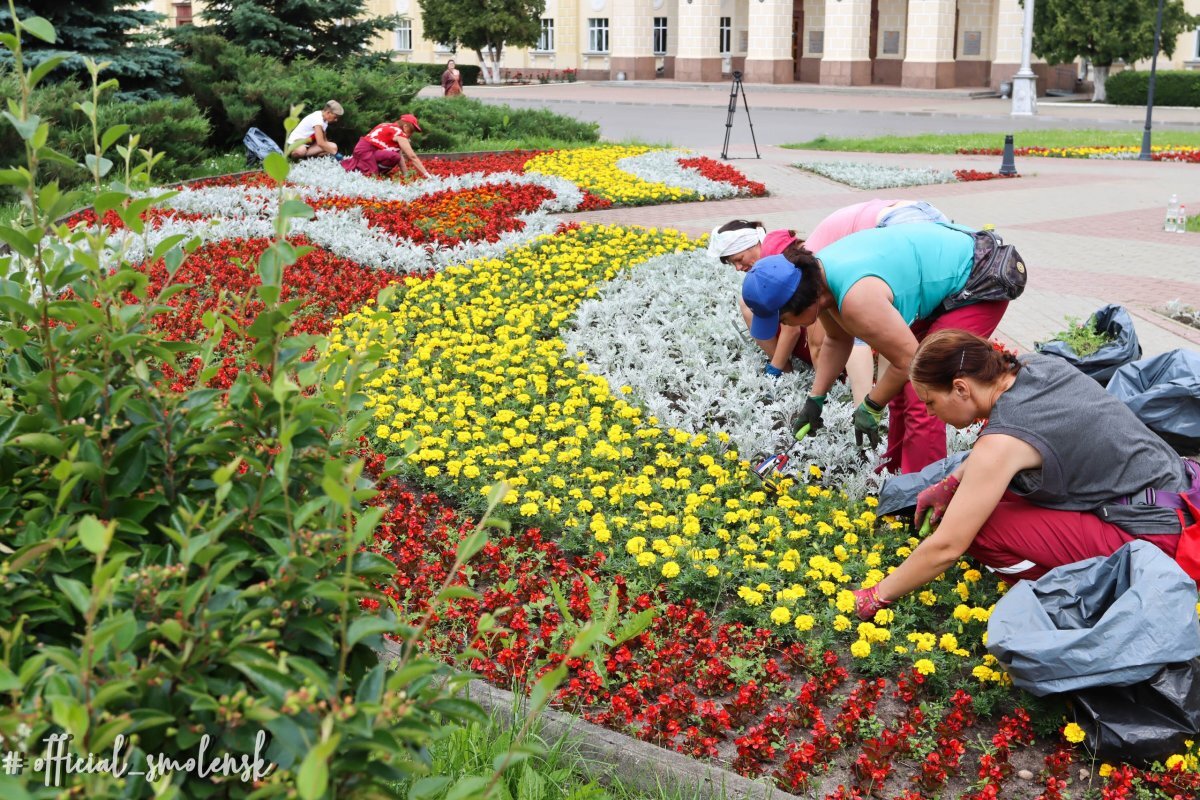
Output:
x=927 y=44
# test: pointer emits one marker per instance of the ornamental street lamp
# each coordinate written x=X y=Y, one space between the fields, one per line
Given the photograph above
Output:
x=1145 y=154
x=1024 y=91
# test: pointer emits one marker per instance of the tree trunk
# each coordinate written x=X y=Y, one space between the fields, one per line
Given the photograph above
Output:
x=489 y=68
x=1099 y=78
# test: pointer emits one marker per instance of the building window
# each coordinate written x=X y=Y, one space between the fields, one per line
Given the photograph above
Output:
x=442 y=47
x=183 y=13
x=660 y=36
x=598 y=34
x=404 y=36
x=726 y=35
x=1197 y=43
x=546 y=37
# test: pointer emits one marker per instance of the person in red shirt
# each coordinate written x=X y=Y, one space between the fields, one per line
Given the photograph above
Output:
x=385 y=148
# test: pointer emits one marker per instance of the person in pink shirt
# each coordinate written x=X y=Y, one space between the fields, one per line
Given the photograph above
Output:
x=740 y=243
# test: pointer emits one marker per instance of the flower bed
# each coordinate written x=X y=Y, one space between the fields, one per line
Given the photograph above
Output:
x=662 y=512
x=862 y=175
x=1122 y=152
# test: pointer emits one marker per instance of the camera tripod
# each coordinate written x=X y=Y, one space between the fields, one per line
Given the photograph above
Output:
x=733 y=98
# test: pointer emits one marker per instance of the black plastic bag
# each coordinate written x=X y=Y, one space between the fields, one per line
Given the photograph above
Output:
x=1115 y=321
x=1164 y=392
x=898 y=494
x=1145 y=722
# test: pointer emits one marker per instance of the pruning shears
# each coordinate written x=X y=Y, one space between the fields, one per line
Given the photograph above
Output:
x=803 y=431
x=767 y=467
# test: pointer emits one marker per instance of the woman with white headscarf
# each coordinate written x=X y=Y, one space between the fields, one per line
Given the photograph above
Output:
x=740 y=243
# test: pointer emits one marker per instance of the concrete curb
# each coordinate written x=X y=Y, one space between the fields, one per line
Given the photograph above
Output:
x=609 y=755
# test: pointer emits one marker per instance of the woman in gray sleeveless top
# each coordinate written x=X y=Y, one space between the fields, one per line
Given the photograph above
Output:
x=1060 y=473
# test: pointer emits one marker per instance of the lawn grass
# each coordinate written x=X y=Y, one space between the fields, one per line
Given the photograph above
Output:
x=949 y=143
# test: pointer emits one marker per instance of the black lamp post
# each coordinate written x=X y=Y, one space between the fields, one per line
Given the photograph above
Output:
x=1145 y=154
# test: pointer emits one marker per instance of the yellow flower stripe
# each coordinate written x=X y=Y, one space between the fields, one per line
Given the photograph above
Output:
x=477 y=376
x=595 y=169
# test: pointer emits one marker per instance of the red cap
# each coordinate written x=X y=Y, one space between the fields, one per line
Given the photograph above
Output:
x=412 y=119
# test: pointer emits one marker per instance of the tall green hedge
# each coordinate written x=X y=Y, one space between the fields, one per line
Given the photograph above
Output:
x=470 y=72
x=447 y=122
x=1171 y=88
x=238 y=89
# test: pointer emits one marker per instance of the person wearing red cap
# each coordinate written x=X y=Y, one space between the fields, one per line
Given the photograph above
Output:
x=385 y=148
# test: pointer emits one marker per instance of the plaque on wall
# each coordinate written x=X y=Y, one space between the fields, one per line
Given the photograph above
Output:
x=816 y=41
x=891 y=43
x=972 y=43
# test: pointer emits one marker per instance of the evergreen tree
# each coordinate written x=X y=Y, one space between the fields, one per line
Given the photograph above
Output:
x=1104 y=31
x=322 y=30
x=118 y=31
x=485 y=27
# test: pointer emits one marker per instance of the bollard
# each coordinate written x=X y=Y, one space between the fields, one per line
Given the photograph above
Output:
x=1007 y=164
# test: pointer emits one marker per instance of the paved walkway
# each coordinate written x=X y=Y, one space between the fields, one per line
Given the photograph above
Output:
x=1090 y=231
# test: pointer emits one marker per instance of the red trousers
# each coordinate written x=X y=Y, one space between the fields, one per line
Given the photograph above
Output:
x=917 y=438
x=1023 y=541
x=370 y=160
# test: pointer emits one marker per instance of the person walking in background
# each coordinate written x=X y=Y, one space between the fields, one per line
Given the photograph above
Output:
x=309 y=139
x=451 y=80
x=385 y=148
x=889 y=287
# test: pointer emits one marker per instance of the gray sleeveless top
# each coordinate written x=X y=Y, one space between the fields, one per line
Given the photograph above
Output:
x=1094 y=449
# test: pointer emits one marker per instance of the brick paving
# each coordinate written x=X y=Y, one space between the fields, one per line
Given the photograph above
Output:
x=1090 y=230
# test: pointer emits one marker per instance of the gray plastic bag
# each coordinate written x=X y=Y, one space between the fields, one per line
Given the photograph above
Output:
x=1107 y=621
x=1116 y=322
x=1164 y=392
x=898 y=494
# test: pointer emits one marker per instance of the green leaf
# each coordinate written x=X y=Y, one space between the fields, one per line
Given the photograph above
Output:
x=111 y=135
x=363 y=627
x=172 y=630
x=457 y=593
x=469 y=787
x=296 y=209
x=76 y=592
x=70 y=715
x=98 y=166
x=313 y=777
x=428 y=788
x=95 y=535
x=588 y=635
x=460 y=709
x=276 y=166
x=41 y=28
x=8 y=679
x=26 y=128
x=43 y=69
x=18 y=240
x=543 y=690
x=472 y=544
x=41 y=442
x=635 y=626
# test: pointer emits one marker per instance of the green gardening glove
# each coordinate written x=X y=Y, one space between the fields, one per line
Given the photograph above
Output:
x=809 y=419
x=868 y=419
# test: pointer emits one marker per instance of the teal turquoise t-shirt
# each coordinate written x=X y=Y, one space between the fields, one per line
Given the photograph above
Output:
x=922 y=263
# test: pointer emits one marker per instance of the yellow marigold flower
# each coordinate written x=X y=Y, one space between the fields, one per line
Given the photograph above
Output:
x=871 y=502
x=948 y=642
x=804 y=622
x=635 y=545
x=982 y=673
x=781 y=615
x=383 y=431
x=1074 y=734
x=972 y=576
x=927 y=597
x=646 y=558
x=845 y=601
x=925 y=666
x=670 y=569
x=840 y=623
x=814 y=470
x=1105 y=770
x=712 y=572
x=885 y=616
x=860 y=649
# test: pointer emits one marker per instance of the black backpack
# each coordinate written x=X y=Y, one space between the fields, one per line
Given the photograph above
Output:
x=258 y=147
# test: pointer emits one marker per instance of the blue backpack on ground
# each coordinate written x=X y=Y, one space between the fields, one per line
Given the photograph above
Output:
x=258 y=146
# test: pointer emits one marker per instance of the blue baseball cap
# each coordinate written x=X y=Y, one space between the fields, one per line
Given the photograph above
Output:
x=769 y=284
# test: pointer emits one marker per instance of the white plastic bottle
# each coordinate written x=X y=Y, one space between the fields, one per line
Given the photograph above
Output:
x=1181 y=219
x=1171 y=222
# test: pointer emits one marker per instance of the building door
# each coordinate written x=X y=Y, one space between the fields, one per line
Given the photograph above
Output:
x=874 y=51
x=797 y=37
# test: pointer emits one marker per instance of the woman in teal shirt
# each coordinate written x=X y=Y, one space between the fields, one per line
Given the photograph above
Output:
x=886 y=286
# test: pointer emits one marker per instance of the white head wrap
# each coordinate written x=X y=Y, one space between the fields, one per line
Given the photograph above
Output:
x=728 y=243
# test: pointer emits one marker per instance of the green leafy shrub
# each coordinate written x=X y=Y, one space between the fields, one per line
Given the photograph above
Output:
x=182 y=563
x=1082 y=337
x=448 y=121
x=238 y=89
x=1171 y=88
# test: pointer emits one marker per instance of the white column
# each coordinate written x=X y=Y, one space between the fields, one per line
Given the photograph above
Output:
x=847 y=60
x=929 y=50
x=769 y=51
x=1024 y=99
x=631 y=34
x=698 y=57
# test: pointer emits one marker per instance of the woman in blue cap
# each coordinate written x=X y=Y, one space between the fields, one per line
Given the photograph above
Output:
x=886 y=286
